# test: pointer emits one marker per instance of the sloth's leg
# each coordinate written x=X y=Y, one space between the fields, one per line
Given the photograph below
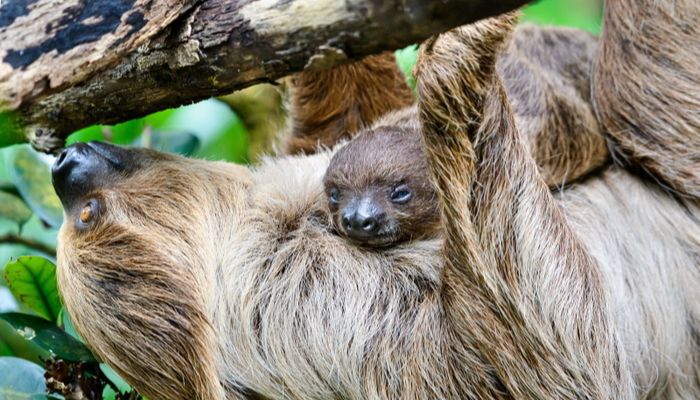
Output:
x=647 y=88
x=331 y=105
x=498 y=215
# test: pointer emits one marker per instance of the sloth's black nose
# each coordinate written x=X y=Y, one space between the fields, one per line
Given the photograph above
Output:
x=360 y=225
x=85 y=167
x=362 y=219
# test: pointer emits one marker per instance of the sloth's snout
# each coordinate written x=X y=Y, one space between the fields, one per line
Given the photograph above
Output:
x=84 y=167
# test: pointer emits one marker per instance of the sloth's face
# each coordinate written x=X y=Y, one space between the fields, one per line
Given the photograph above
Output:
x=118 y=199
x=379 y=191
x=383 y=213
x=142 y=232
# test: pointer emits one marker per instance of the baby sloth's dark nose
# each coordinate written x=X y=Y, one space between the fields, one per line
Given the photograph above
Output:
x=83 y=168
x=363 y=220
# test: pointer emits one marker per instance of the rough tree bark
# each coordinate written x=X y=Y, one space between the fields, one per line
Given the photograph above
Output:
x=69 y=64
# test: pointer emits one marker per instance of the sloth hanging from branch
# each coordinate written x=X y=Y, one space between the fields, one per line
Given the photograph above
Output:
x=236 y=285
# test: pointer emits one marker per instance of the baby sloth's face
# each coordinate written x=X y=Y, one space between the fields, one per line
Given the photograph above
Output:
x=378 y=189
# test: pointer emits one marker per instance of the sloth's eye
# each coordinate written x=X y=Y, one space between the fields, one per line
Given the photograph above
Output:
x=401 y=194
x=334 y=196
x=87 y=215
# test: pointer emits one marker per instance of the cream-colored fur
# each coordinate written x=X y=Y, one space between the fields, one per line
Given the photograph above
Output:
x=322 y=342
x=208 y=281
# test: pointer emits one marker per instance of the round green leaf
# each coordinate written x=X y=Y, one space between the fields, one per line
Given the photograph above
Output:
x=20 y=378
x=32 y=280
x=13 y=208
x=30 y=173
x=49 y=337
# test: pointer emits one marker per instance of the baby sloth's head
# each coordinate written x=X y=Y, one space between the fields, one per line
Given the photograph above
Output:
x=378 y=188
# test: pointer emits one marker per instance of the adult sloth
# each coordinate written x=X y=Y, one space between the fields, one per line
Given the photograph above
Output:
x=206 y=280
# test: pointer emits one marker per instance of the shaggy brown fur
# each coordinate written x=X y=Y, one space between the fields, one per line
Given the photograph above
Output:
x=546 y=72
x=662 y=63
x=381 y=178
x=206 y=280
x=331 y=105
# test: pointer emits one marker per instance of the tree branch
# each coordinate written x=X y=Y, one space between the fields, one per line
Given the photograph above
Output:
x=105 y=61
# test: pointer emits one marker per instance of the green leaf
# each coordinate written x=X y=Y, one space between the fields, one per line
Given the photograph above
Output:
x=30 y=173
x=15 y=345
x=20 y=379
x=13 y=208
x=32 y=280
x=48 y=337
x=108 y=393
x=5 y=349
x=117 y=380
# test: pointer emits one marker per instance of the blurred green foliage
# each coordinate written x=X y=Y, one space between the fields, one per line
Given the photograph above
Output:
x=212 y=129
x=10 y=132
x=34 y=327
x=582 y=14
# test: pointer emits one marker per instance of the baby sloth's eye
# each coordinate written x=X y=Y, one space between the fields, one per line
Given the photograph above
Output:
x=401 y=194
x=334 y=196
x=87 y=214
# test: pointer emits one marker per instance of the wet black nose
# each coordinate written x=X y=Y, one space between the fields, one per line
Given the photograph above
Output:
x=362 y=222
x=85 y=167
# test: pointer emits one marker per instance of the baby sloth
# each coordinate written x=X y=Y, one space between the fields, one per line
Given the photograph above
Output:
x=378 y=188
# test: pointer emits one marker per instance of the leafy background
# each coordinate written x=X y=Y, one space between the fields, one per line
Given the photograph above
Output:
x=37 y=340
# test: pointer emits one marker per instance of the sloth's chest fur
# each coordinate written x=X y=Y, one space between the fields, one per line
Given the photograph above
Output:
x=309 y=315
x=342 y=309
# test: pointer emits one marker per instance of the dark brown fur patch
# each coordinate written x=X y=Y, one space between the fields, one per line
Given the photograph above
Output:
x=331 y=105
